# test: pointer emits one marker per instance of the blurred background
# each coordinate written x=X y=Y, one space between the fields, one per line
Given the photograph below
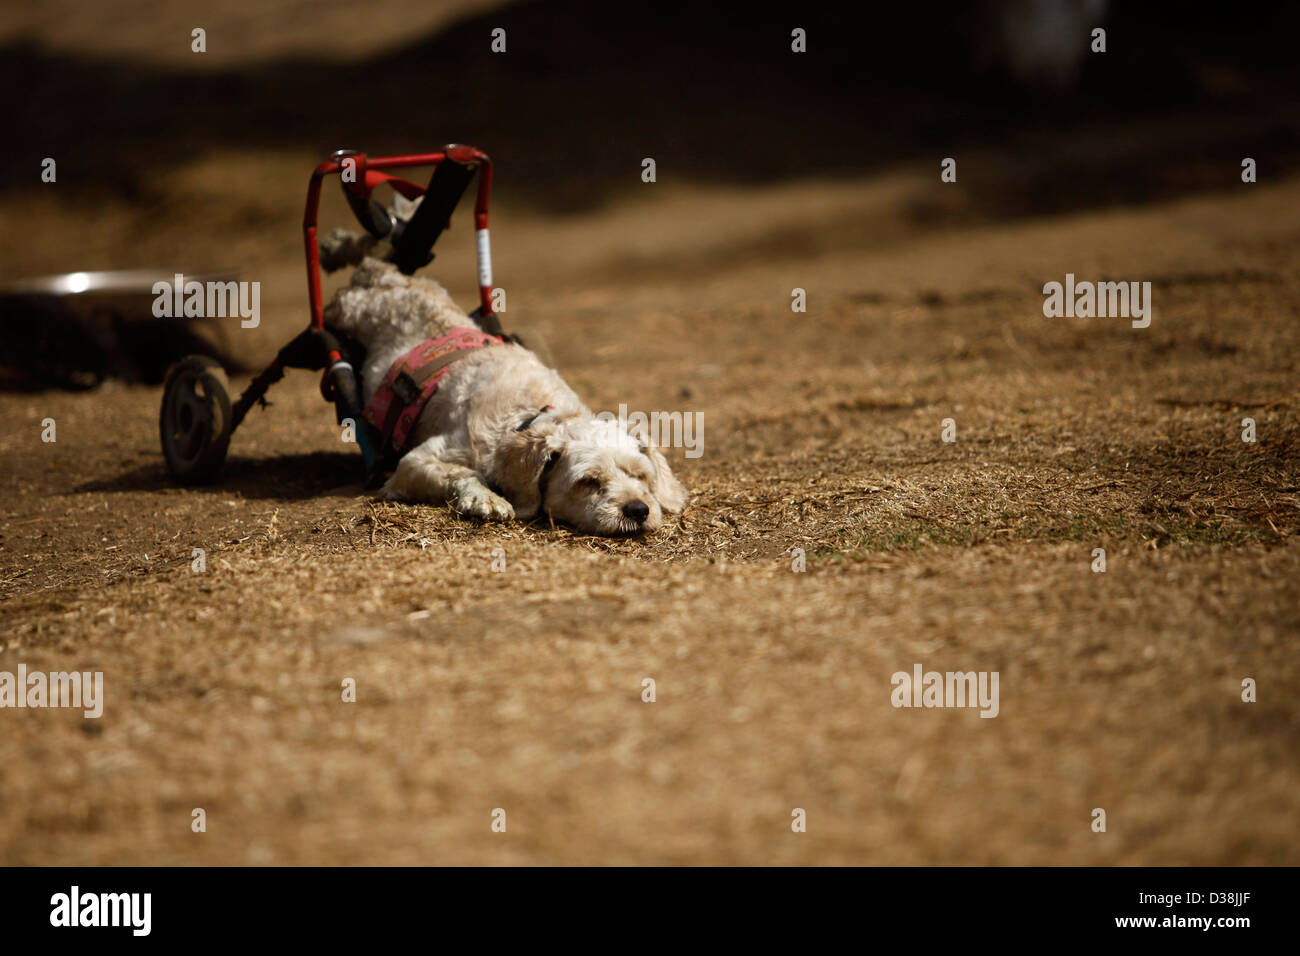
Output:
x=181 y=161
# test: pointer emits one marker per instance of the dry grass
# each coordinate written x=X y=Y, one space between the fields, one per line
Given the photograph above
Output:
x=521 y=689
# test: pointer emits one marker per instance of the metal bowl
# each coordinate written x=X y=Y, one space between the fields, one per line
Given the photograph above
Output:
x=75 y=329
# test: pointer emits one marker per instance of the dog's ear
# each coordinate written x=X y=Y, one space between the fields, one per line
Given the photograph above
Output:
x=668 y=491
x=518 y=464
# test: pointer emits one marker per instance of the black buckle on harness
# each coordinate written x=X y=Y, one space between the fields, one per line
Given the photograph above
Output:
x=405 y=388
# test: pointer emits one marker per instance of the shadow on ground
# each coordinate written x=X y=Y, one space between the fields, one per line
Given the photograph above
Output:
x=279 y=477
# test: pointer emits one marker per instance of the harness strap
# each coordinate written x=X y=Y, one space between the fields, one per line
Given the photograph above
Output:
x=410 y=383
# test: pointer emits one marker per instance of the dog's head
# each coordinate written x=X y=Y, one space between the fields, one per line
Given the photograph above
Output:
x=588 y=473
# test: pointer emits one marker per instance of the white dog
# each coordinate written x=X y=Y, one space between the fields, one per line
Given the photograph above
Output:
x=503 y=436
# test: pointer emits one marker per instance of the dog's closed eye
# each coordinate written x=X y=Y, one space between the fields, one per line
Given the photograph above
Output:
x=589 y=483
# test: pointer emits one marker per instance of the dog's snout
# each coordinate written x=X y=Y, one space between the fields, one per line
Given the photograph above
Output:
x=636 y=510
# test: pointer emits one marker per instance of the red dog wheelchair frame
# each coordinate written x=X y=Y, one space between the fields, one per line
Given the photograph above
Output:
x=198 y=418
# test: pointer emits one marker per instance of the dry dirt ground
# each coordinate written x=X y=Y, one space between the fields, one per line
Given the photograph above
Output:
x=522 y=689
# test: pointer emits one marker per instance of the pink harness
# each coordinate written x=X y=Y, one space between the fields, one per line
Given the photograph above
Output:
x=410 y=383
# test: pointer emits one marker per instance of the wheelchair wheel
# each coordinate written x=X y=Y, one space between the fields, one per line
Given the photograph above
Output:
x=195 y=423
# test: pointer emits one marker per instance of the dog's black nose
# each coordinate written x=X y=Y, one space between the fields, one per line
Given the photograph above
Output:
x=638 y=511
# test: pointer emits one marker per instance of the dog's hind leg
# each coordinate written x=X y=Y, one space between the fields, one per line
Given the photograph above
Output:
x=422 y=476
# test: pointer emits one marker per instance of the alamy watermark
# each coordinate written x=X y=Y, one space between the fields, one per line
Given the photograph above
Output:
x=1103 y=300
x=75 y=908
x=54 y=689
x=664 y=429
x=208 y=300
x=951 y=689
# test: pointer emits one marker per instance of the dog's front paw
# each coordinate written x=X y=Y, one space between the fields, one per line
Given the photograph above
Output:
x=471 y=497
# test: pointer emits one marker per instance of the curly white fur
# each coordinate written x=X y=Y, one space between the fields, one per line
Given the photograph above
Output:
x=467 y=448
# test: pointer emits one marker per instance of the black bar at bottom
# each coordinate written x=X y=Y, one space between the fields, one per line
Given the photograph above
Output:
x=809 y=908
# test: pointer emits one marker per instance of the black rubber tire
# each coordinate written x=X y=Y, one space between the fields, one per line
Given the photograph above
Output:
x=195 y=421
